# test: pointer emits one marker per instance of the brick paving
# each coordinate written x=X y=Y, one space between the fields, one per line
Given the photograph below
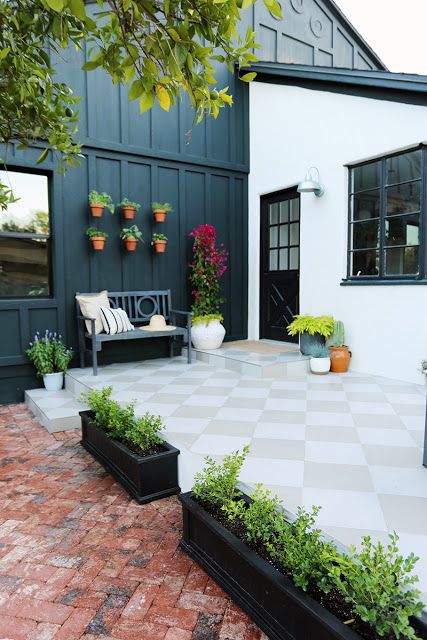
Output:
x=80 y=559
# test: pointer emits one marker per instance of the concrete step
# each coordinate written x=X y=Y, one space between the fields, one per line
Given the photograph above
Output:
x=55 y=410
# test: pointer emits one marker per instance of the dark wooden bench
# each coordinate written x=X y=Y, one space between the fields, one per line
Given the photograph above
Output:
x=134 y=303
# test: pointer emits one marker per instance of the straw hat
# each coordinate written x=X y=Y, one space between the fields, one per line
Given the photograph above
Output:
x=158 y=323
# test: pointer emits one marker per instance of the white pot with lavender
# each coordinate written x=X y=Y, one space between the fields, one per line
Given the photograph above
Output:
x=320 y=361
x=51 y=358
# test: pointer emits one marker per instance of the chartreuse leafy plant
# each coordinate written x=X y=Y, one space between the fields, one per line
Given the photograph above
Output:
x=121 y=424
x=206 y=319
x=376 y=582
x=49 y=354
x=323 y=325
x=103 y=199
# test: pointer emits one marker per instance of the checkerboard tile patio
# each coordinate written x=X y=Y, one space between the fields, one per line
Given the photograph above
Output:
x=80 y=560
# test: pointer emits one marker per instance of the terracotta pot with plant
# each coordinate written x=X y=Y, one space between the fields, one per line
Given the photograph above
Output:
x=340 y=353
x=159 y=242
x=131 y=237
x=129 y=209
x=97 y=238
x=160 y=210
x=312 y=331
x=98 y=202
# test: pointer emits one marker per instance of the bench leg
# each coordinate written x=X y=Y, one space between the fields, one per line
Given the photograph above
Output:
x=94 y=357
x=82 y=358
x=171 y=347
x=189 y=348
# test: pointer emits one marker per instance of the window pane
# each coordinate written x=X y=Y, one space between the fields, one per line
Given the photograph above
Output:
x=404 y=167
x=273 y=259
x=365 y=263
x=402 y=261
x=294 y=209
x=24 y=267
x=294 y=233
x=30 y=213
x=283 y=260
x=284 y=211
x=274 y=213
x=365 y=235
x=404 y=198
x=273 y=236
x=366 y=177
x=294 y=258
x=402 y=230
x=284 y=235
x=366 y=205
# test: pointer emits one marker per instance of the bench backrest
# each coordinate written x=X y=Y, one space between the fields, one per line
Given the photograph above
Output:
x=139 y=305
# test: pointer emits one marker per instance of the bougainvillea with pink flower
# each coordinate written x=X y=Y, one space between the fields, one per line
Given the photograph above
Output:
x=207 y=268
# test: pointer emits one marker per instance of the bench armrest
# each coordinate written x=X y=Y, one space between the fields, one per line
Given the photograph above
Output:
x=92 y=323
x=187 y=314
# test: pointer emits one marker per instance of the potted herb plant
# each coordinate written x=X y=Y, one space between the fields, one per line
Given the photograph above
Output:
x=292 y=581
x=131 y=237
x=97 y=238
x=160 y=210
x=129 y=208
x=129 y=447
x=312 y=330
x=207 y=268
x=98 y=202
x=320 y=361
x=159 y=242
x=340 y=353
x=51 y=358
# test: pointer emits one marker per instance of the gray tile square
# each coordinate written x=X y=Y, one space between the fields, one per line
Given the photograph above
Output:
x=231 y=427
x=337 y=476
x=328 y=406
x=190 y=411
x=404 y=513
x=382 y=455
x=245 y=403
x=331 y=434
x=288 y=449
x=292 y=417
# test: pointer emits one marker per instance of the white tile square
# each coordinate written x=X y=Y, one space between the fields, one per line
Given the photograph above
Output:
x=335 y=452
x=388 y=437
x=289 y=473
x=326 y=419
x=377 y=408
x=285 y=404
x=157 y=409
x=275 y=430
x=245 y=392
x=211 y=444
x=197 y=400
x=185 y=425
x=417 y=423
x=327 y=396
x=406 y=398
x=400 y=481
x=245 y=415
x=348 y=509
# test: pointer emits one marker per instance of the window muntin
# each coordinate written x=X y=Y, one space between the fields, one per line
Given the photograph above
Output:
x=283 y=235
x=25 y=237
x=386 y=204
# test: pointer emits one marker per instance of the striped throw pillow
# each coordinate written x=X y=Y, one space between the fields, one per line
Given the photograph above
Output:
x=115 y=321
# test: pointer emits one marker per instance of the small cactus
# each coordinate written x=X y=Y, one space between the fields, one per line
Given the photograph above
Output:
x=338 y=334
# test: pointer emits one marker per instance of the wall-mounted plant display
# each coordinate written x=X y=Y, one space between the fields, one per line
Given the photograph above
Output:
x=131 y=237
x=98 y=202
x=340 y=353
x=129 y=208
x=159 y=242
x=312 y=330
x=97 y=238
x=160 y=210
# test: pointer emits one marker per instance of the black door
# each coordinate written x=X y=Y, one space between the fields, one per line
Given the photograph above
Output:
x=280 y=233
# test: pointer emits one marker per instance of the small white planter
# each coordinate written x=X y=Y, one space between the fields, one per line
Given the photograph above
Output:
x=320 y=366
x=209 y=336
x=53 y=381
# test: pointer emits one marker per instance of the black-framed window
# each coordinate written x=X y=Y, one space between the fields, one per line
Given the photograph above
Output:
x=25 y=237
x=387 y=207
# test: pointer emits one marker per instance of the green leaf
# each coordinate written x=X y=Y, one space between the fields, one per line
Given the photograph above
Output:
x=248 y=77
x=181 y=52
x=4 y=52
x=56 y=5
x=77 y=8
x=42 y=157
x=91 y=65
x=146 y=101
x=136 y=90
x=163 y=97
x=174 y=35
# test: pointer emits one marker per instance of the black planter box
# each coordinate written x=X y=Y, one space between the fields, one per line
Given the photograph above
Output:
x=144 y=478
x=280 y=609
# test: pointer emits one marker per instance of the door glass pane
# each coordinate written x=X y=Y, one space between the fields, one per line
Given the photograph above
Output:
x=402 y=261
x=273 y=259
x=405 y=167
x=404 y=198
x=294 y=258
x=284 y=235
x=284 y=211
x=365 y=263
x=294 y=204
x=30 y=214
x=274 y=213
x=402 y=230
x=294 y=233
x=366 y=205
x=365 y=234
x=24 y=267
x=273 y=236
x=366 y=177
x=283 y=260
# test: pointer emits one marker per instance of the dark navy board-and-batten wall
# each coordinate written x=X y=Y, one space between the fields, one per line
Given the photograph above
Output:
x=149 y=158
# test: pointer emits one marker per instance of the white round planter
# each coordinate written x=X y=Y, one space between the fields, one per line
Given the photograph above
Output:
x=320 y=366
x=209 y=336
x=53 y=381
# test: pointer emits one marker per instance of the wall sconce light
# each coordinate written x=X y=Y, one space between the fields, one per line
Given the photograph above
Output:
x=310 y=185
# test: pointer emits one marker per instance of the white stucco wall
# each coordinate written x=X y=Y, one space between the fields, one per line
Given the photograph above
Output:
x=292 y=129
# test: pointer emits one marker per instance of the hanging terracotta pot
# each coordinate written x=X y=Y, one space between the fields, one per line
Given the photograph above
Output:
x=159 y=215
x=131 y=244
x=340 y=359
x=160 y=246
x=128 y=213
x=98 y=243
x=97 y=210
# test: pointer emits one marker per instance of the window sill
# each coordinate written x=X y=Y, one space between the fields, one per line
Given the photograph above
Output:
x=380 y=283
